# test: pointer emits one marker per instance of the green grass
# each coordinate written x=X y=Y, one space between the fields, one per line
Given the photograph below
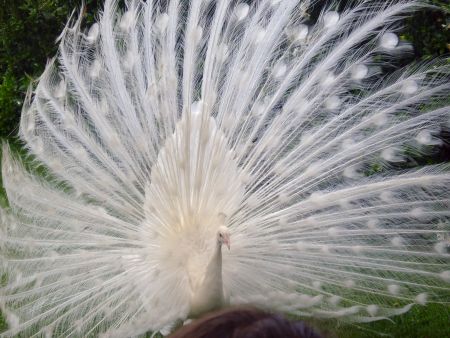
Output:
x=431 y=321
x=3 y=325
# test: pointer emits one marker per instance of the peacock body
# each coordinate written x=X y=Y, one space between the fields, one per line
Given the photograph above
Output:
x=170 y=129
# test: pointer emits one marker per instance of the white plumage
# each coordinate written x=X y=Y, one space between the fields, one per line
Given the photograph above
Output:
x=169 y=124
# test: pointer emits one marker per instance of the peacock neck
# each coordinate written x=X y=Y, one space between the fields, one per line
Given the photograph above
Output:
x=210 y=294
x=213 y=276
x=215 y=266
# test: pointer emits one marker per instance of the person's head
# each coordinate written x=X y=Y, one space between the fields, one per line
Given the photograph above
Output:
x=244 y=322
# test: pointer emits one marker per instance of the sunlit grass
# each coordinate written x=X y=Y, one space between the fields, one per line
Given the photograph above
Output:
x=428 y=321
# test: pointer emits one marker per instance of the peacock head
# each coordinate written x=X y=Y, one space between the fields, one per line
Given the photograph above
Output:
x=223 y=236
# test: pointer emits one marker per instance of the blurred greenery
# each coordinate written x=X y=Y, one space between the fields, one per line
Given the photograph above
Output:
x=28 y=31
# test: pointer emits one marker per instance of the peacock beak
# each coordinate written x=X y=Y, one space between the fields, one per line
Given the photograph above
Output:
x=226 y=241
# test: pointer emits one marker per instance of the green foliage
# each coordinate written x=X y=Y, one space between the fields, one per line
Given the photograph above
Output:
x=28 y=31
x=429 y=30
x=10 y=103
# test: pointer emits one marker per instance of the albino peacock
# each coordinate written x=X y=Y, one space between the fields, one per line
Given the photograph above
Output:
x=172 y=128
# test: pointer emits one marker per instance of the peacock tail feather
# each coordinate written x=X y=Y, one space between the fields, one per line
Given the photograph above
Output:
x=166 y=118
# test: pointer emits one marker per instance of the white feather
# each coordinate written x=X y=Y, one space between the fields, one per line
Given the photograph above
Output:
x=164 y=122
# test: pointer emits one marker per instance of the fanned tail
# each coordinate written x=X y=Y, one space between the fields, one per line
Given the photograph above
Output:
x=163 y=116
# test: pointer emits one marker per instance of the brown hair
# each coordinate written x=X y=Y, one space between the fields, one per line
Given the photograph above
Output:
x=244 y=322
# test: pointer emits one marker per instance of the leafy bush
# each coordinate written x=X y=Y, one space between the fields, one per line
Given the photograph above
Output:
x=28 y=30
